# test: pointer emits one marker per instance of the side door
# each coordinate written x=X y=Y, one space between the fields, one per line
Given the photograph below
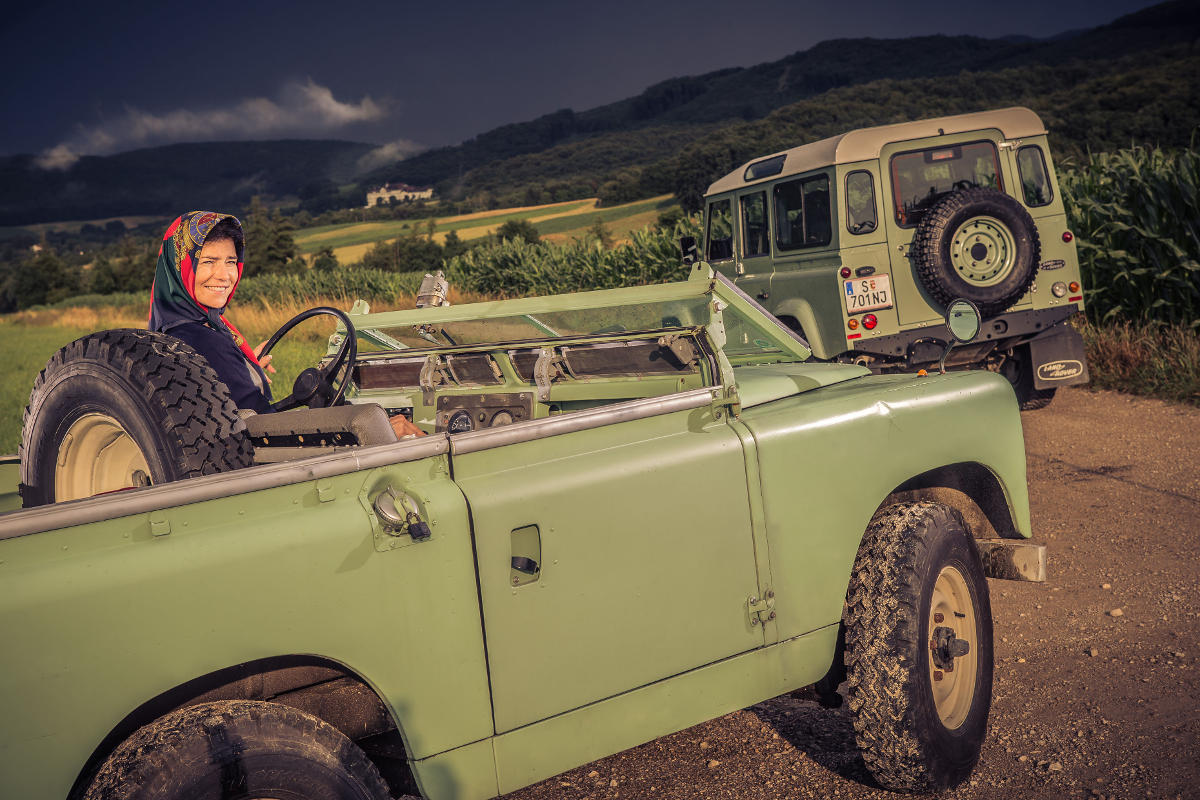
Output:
x=753 y=264
x=610 y=555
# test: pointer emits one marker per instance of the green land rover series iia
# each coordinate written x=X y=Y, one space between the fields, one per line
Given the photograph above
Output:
x=861 y=240
x=634 y=510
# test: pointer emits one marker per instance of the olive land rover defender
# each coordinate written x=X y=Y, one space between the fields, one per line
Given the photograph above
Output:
x=860 y=241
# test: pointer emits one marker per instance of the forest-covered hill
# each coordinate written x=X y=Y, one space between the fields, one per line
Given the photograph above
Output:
x=1132 y=81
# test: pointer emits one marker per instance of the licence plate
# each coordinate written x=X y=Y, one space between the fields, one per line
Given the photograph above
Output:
x=868 y=294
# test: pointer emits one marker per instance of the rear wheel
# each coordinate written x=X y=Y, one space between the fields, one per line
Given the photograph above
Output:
x=126 y=408
x=238 y=750
x=919 y=648
x=1018 y=368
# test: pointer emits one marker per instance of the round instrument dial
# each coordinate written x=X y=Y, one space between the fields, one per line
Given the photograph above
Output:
x=460 y=422
x=501 y=418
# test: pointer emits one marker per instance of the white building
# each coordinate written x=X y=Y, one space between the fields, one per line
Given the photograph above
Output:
x=399 y=191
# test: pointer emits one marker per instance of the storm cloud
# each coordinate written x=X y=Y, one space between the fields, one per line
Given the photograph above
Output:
x=300 y=109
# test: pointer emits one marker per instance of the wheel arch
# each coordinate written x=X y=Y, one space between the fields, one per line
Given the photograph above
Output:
x=325 y=688
x=799 y=315
x=968 y=487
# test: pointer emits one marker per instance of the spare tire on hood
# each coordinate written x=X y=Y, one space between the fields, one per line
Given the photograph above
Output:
x=977 y=244
x=126 y=408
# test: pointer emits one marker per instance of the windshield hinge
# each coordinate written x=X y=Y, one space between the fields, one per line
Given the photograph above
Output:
x=547 y=368
x=433 y=375
x=761 y=610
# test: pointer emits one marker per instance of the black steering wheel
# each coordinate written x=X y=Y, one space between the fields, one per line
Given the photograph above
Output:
x=314 y=387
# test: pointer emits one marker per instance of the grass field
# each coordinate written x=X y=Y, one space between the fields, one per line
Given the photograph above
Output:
x=468 y=226
x=555 y=222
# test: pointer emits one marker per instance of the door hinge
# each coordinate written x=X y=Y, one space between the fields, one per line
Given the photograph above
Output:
x=159 y=524
x=761 y=610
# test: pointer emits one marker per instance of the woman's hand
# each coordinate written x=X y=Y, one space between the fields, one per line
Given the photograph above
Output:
x=264 y=362
x=404 y=428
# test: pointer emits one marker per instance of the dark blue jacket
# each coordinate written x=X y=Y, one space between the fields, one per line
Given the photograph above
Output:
x=246 y=382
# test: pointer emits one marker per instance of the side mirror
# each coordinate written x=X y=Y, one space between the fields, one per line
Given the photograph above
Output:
x=687 y=245
x=963 y=321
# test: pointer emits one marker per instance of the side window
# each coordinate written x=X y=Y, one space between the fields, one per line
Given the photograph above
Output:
x=1035 y=182
x=921 y=178
x=719 y=238
x=802 y=213
x=755 y=236
x=860 y=203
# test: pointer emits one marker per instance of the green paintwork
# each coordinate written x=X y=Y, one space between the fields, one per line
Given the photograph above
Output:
x=664 y=542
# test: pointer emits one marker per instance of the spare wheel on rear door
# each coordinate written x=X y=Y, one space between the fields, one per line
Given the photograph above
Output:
x=978 y=244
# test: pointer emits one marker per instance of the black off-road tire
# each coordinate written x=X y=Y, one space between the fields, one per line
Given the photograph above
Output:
x=159 y=390
x=947 y=281
x=236 y=749
x=1018 y=368
x=903 y=740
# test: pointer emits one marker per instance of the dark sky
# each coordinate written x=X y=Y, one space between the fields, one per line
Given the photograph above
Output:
x=104 y=77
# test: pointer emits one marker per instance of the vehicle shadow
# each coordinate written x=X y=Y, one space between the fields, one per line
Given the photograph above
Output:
x=825 y=735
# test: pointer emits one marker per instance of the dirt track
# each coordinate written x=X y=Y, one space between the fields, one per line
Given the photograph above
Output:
x=1089 y=701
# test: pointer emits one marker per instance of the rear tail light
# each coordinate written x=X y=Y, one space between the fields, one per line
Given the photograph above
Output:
x=844 y=272
x=869 y=322
x=1068 y=236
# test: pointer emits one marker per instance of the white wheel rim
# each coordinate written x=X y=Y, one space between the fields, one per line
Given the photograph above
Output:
x=951 y=607
x=97 y=455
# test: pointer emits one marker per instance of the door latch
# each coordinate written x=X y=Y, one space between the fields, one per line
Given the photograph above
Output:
x=761 y=610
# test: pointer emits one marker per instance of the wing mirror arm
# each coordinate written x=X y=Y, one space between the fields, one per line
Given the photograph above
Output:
x=963 y=321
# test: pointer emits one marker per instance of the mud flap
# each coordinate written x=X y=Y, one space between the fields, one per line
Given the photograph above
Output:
x=1057 y=358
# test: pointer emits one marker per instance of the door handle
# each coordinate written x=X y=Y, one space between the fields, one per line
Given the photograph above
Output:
x=526 y=565
x=525 y=555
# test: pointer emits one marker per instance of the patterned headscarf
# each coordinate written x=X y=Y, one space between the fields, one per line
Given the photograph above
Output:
x=173 y=293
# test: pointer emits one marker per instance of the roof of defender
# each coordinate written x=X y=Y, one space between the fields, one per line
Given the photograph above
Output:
x=865 y=143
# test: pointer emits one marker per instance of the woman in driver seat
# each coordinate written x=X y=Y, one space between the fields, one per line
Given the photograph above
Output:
x=199 y=266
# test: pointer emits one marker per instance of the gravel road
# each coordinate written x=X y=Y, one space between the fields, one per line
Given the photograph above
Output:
x=1097 y=684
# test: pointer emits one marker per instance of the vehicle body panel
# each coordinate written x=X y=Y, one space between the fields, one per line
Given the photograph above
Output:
x=107 y=616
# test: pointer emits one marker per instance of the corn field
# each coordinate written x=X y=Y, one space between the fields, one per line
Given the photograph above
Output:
x=515 y=268
x=1136 y=218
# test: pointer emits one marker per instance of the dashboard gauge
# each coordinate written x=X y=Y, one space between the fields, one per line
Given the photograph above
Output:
x=460 y=422
x=501 y=418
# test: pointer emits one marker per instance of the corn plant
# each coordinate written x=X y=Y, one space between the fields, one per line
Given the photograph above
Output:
x=515 y=268
x=1136 y=217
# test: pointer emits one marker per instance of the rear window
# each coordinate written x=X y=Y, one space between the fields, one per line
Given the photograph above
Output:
x=719 y=238
x=922 y=177
x=1035 y=183
x=860 y=202
x=802 y=213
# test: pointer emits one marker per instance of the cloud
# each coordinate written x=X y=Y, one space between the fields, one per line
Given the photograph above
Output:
x=301 y=109
x=388 y=153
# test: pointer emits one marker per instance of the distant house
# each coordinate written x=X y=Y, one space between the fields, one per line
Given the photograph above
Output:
x=398 y=191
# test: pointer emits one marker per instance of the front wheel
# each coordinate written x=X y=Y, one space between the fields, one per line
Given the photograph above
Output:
x=238 y=749
x=919 y=648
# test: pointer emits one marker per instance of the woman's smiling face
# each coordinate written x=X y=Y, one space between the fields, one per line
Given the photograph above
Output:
x=216 y=273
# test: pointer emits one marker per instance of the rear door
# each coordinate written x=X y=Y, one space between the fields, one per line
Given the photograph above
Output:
x=609 y=557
